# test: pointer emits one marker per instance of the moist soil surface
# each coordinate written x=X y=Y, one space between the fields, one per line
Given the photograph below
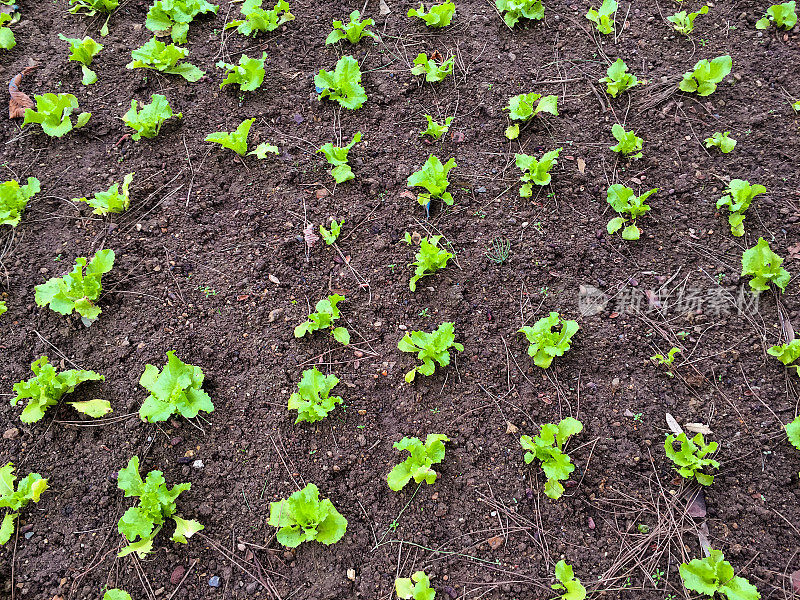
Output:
x=211 y=262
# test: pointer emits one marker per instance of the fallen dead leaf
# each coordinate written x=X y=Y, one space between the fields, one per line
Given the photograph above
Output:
x=581 y=165
x=309 y=236
x=408 y=194
x=274 y=279
x=19 y=101
x=384 y=8
x=698 y=428
x=794 y=251
x=496 y=542
x=511 y=429
x=697 y=506
x=673 y=425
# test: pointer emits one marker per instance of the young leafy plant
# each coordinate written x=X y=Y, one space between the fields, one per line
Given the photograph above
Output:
x=29 y=489
x=156 y=505
x=603 y=18
x=53 y=112
x=628 y=143
x=337 y=158
x=514 y=10
x=7 y=41
x=175 y=15
x=111 y=201
x=548 y=448
x=258 y=19
x=625 y=202
x=430 y=347
x=764 y=266
x=47 y=387
x=418 y=587
x=76 y=290
x=737 y=198
x=343 y=84
x=302 y=517
x=147 y=122
x=177 y=388
x=691 y=459
x=667 y=360
x=90 y=8
x=248 y=74
x=722 y=141
x=353 y=32
x=433 y=177
x=235 y=140
x=439 y=15
x=326 y=312
x=714 y=575
x=705 y=76
x=787 y=354
x=432 y=70
x=3 y=307
x=568 y=583
x=683 y=22
x=618 y=79
x=434 y=129
x=330 y=236
x=546 y=344
x=157 y=55
x=312 y=400
x=83 y=51
x=781 y=15
x=535 y=171
x=14 y=198
x=429 y=259
x=116 y=594
x=417 y=465
x=521 y=108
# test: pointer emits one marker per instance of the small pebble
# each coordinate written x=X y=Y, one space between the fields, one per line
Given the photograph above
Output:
x=198 y=464
x=213 y=581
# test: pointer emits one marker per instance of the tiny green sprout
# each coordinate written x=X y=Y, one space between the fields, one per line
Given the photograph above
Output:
x=628 y=144
x=116 y=594
x=571 y=585
x=111 y=201
x=29 y=489
x=434 y=129
x=418 y=587
x=83 y=51
x=3 y=307
x=547 y=343
x=623 y=200
x=737 y=198
x=337 y=158
x=683 y=22
x=705 y=75
x=343 y=84
x=429 y=259
x=603 y=18
x=312 y=400
x=535 y=171
x=330 y=236
x=781 y=15
x=764 y=266
x=54 y=114
x=796 y=106
x=165 y=58
x=714 y=575
x=521 y=108
x=417 y=465
x=433 y=177
x=147 y=122
x=691 y=459
x=353 y=32
x=439 y=15
x=548 y=449
x=499 y=251
x=14 y=198
x=618 y=79
x=514 y=10
x=326 y=312
x=643 y=528
x=258 y=19
x=721 y=140
x=787 y=354
x=660 y=359
x=431 y=348
x=248 y=74
x=235 y=140
x=433 y=71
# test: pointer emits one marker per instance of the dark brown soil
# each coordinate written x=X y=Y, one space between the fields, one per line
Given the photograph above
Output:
x=208 y=237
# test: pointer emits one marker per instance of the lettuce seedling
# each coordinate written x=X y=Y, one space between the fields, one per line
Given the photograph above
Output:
x=353 y=32
x=787 y=354
x=603 y=18
x=737 y=198
x=53 y=112
x=258 y=19
x=433 y=72
x=781 y=15
x=714 y=575
x=175 y=15
x=793 y=428
x=624 y=201
x=235 y=140
x=111 y=201
x=14 y=198
x=164 y=58
x=571 y=585
x=116 y=594
x=514 y=10
x=156 y=505
x=94 y=408
x=433 y=177
x=434 y=129
x=796 y=106
x=417 y=465
x=765 y=267
x=683 y=22
x=263 y=149
x=90 y=8
x=3 y=307
x=430 y=347
x=618 y=79
x=418 y=587
x=439 y=15
x=47 y=387
x=302 y=517
x=628 y=143
x=429 y=259
x=29 y=489
x=722 y=141
x=548 y=448
x=326 y=312
x=312 y=400
x=337 y=158
x=76 y=290
x=148 y=121
x=83 y=51
x=535 y=171
x=660 y=359
x=343 y=84
x=705 y=76
x=331 y=236
x=7 y=41
x=546 y=344
x=177 y=388
x=521 y=108
x=248 y=74
x=691 y=459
